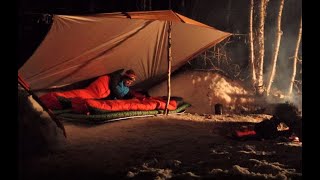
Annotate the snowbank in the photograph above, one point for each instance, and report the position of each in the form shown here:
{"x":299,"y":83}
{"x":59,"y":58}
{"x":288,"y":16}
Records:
{"x":205,"y":89}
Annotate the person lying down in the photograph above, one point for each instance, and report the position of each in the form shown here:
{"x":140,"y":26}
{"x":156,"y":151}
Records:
{"x":111,"y":92}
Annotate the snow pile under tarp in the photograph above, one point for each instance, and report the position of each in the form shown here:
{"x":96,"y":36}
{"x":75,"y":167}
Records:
{"x":38,"y":132}
{"x":204,"y":90}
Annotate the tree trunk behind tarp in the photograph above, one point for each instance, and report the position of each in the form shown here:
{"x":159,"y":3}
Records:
{"x":294,"y":71}
{"x":260,"y":45}
{"x":229,"y":5}
{"x":276,"y":48}
{"x":150,"y":5}
{"x":144,"y":5}
{"x":183,"y":5}
{"x":251,"y":51}
{"x":166,"y":111}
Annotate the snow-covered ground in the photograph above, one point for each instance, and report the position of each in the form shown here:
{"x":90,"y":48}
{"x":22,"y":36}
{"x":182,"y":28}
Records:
{"x":178,"y":146}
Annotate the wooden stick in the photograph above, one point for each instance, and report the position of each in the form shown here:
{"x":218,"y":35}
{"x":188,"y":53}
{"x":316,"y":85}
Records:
{"x":166,"y":111}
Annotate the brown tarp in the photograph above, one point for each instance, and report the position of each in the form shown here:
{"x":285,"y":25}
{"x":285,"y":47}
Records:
{"x":82,"y":47}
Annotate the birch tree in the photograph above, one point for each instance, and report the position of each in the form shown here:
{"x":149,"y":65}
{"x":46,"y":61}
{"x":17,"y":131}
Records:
{"x":260,"y":53}
{"x":144,"y":5}
{"x":295,"y":59}
{"x":276,"y":48}
{"x":229,"y":5}
{"x":150,"y":5}
{"x":251,"y":51}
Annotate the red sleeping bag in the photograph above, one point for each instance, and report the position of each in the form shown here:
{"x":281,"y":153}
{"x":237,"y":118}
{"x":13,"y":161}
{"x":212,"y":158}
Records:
{"x":96,"y":90}
{"x":82,"y":99}
{"x":138,"y":104}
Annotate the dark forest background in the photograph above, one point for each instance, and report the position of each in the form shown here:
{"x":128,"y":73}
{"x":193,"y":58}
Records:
{"x":226,"y":15}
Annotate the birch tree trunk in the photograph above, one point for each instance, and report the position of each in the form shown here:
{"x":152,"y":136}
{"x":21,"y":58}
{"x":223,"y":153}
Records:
{"x":251,"y":51}
{"x":144,"y":5}
{"x":183,"y":6}
{"x":166,"y":111}
{"x":91,"y":6}
{"x":276,"y":48}
{"x":150,"y":5}
{"x":295,"y":60}
{"x":260,"y":55}
{"x":228,"y":13}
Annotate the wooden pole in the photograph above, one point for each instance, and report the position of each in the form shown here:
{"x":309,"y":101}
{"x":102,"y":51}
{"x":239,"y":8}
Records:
{"x":166,"y":111}
{"x":295,"y":59}
{"x":276,"y":49}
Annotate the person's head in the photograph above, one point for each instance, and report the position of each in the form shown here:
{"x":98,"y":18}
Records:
{"x":129,"y":77}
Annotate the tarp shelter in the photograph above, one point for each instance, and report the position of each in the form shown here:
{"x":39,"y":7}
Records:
{"x":82,"y":47}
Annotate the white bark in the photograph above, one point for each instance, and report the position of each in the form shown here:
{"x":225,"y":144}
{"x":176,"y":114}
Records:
{"x":276,"y":48}
{"x":294,"y":71}
{"x":260,"y":56}
{"x":251,"y":51}
{"x":150,"y":5}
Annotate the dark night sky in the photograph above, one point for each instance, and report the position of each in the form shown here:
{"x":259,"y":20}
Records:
{"x":227,"y":15}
